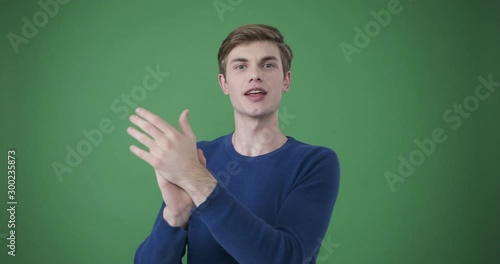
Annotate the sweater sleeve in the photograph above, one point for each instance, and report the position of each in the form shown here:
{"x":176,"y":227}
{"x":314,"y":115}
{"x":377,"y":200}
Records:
{"x":165,"y":244}
{"x":300,"y":225}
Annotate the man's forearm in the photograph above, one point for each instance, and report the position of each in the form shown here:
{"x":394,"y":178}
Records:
{"x":200,"y":186}
{"x":165,"y":244}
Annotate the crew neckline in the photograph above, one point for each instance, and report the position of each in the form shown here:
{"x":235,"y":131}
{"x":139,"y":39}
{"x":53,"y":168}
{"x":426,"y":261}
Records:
{"x":232,"y":151}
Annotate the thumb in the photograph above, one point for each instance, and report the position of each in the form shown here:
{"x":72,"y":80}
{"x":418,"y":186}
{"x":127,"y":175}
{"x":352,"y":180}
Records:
{"x":202,"y":158}
{"x":184,"y":123}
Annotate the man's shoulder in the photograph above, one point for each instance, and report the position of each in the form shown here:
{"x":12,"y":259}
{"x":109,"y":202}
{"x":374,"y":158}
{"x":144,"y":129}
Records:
{"x":315,"y":162}
{"x":211,"y":144}
{"x":308,"y":149}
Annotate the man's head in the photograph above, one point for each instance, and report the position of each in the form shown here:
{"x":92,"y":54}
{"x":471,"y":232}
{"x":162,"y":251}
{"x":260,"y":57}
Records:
{"x":251,"y":33}
{"x":255,"y":58}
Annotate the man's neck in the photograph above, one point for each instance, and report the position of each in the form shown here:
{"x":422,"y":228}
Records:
{"x":255,"y":137}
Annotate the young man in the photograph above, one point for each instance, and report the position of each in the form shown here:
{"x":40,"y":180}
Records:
{"x":259,"y":196}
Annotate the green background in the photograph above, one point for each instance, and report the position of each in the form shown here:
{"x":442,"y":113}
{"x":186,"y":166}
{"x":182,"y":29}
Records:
{"x":369,"y":111}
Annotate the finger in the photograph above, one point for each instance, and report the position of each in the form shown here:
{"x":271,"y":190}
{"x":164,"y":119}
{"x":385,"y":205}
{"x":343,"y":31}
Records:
{"x":147,"y":127}
{"x":184,"y":123}
{"x":157,"y":121}
{"x":141,"y":137}
{"x":144,"y":155}
{"x":202,"y":158}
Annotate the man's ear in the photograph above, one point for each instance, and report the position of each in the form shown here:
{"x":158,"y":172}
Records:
{"x":223,"y":84}
{"x":286,"y":81}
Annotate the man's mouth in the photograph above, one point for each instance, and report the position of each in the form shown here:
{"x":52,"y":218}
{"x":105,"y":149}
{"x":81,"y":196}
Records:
{"x":255,"y":94}
{"x":255,"y":91}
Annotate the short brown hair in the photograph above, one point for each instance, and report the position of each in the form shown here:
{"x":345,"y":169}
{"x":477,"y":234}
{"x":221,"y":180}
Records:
{"x":250,"y":33}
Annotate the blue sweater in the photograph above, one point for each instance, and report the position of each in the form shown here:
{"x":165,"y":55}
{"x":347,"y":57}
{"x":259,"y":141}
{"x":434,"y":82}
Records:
{"x":273,"y":208}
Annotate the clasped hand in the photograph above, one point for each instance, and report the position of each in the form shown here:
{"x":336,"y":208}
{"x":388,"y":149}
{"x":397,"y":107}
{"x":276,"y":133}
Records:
{"x":179,"y":166}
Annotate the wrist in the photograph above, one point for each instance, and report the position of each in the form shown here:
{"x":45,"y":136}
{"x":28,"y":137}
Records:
{"x":201,"y":185}
{"x":176,"y":219}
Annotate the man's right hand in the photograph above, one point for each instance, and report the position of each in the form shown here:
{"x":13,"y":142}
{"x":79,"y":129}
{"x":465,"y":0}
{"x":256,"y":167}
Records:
{"x":178,"y":203}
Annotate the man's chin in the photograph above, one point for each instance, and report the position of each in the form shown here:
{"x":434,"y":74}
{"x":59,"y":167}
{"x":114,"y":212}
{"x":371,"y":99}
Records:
{"x":256,"y":113}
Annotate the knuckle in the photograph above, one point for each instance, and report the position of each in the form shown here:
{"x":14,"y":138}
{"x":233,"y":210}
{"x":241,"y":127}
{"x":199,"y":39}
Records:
{"x":144,"y":139}
{"x":163,"y":142}
{"x":176,"y":136}
{"x":154,"y":118}
{"x":155,"y":162}
{"x":139,"y":136}
{"x":148,"y":126}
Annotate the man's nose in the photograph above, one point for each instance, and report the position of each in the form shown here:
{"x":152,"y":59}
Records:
{"x":255,"y":74}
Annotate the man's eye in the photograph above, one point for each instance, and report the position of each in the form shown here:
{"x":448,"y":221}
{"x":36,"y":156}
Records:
{"x":268,"y":65}
{"x":240,"y":67}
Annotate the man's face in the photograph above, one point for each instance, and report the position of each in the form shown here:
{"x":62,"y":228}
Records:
{"x":254,"y":78}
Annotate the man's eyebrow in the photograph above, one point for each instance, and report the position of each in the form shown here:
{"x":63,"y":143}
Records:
{"x":239,"y":60}
{"x":266,"y":58}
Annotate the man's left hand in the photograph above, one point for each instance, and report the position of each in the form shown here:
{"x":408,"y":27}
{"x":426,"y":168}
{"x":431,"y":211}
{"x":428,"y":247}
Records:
{"x":172,"y":153}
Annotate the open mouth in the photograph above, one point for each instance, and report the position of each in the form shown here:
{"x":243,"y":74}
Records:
{"x":256,"y":91}
{"x":255,"y":94}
